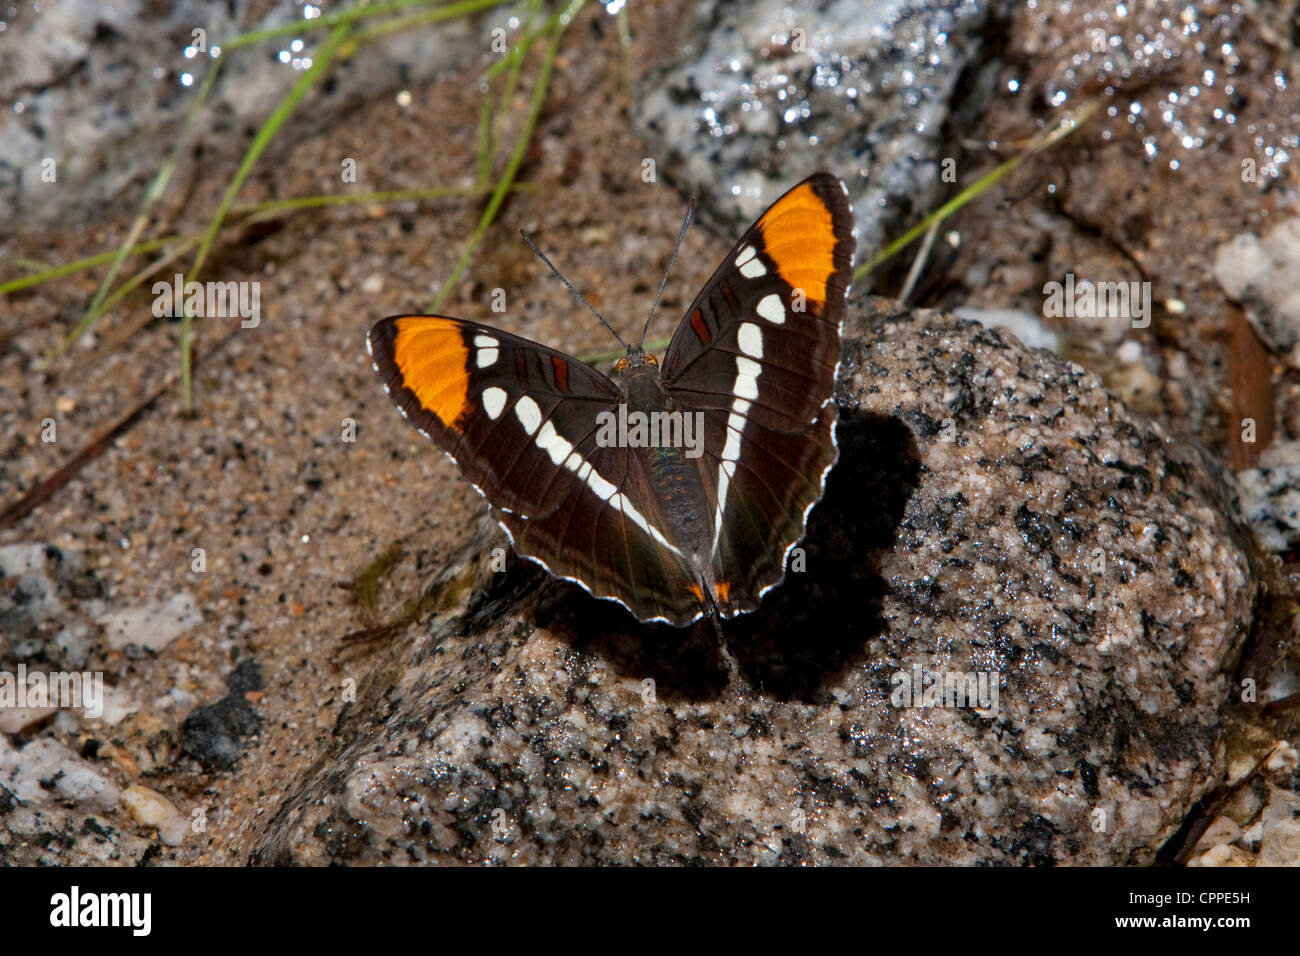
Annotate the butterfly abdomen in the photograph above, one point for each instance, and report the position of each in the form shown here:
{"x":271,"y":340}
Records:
{"x":677,"y":481}
{"x":670,"y":456}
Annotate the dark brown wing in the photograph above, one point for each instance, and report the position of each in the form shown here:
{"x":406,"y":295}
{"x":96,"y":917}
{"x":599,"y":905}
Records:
{"x":520,"y":420}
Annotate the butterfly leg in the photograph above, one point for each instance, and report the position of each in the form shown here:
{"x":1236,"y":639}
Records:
{"x":734,"y":676}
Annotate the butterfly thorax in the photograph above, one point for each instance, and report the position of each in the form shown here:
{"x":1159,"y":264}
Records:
{"x":642,"y":387}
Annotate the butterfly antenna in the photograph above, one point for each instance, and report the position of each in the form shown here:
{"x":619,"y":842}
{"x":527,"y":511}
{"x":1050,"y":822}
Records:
{"x":569,"y":285}
{"x":690,"y":211}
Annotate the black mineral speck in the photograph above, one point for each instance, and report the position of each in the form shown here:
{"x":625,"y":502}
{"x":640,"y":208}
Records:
{"x":212,"y":734}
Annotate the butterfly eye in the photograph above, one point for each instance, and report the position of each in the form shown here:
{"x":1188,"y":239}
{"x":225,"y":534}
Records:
{"x":651,"y":360}
{"x":620,"y":365}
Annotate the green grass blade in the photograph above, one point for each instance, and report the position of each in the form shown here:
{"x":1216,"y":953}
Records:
{"x":1067,"y":125}
{"x":57,"y":272}
{"x":320,"y":63}
{"x":412,"y":20}
{"x":297,"y":28}
{"x":251,"y":213}
{"x":512,"y":167}
{"x":151,"y":198}
{"x":488,"y":114}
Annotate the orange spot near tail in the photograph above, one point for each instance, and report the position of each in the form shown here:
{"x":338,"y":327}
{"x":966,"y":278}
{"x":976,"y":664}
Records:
{"x":723,"y":590}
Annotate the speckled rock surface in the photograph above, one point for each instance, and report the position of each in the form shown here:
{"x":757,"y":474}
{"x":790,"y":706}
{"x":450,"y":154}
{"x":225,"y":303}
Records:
{"x":47,"y":836}
{"x":48,"y":600}
{"x":770,"y":89}
{"x":995,"y":512}
{"x":55,"y":809}
{"x":1270,"y":497}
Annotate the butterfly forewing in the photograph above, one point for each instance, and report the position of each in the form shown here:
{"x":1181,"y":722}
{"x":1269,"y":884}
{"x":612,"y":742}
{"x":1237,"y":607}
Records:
{"x":778,"y":299}
{"x":520,"y":420}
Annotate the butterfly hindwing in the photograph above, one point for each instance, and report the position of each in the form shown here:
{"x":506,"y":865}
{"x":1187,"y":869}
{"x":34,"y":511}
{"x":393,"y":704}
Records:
{"x":766,"y":494}
{"x":519,"y":419}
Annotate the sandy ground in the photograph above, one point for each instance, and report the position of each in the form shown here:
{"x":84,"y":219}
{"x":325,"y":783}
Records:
{"x":289,"y":514}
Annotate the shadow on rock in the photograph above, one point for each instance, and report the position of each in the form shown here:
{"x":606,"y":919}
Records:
{"x":817,"y":624}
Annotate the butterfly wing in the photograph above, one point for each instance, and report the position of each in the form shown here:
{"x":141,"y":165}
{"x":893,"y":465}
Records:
{"x":757,"y":352}
{"x":520,"y":420}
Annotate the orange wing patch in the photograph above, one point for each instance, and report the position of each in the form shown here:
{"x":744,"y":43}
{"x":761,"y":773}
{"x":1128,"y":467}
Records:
{"x":799,"y":237}
{"x":723,"y":590}
{"x":432,"y":357}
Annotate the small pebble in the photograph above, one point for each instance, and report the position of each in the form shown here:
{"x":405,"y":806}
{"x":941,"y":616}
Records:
{"x":152,"y":809}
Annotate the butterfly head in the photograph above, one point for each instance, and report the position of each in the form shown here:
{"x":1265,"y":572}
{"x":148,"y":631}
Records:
{"x":636,"y":357}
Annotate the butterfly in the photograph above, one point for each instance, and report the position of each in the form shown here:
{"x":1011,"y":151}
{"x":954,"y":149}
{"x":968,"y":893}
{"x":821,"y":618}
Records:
{"x":677,"y":488}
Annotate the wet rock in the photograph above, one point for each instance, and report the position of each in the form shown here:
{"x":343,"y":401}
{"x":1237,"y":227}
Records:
{"x":214,"y":734}
{"x":774,"y":90}
{"x":69,"y":66}
{"x":996,"y":516}
{"x":1186,"y":108}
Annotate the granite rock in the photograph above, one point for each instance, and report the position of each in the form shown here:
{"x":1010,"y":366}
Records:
{"x":996,"y":514}
{"x":151,"y":626}
{"x":45,"y":772}
{"x":776,"y":89}
{"x":49,"y":836}
{"x":47,"y":599}
{"x":1270,"y":497}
